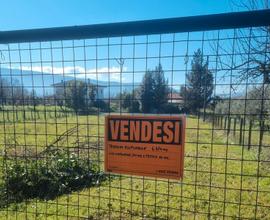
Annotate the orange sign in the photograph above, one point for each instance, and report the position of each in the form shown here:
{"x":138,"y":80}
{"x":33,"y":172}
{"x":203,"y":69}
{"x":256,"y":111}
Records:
{"x":145,"y":145}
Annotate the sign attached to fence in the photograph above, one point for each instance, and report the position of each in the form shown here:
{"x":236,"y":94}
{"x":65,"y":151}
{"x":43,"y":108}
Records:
{"x":145,"y":145}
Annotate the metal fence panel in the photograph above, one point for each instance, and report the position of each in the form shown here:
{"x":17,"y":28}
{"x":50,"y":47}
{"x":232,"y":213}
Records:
{"x":57,"y":85}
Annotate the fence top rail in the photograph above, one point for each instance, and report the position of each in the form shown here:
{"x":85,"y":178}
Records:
{"x":147,"y":27}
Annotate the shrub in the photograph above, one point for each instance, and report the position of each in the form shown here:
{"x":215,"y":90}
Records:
{"x":102,"y":105}
{"x":169,"y":108}
{"x":56,"y":172}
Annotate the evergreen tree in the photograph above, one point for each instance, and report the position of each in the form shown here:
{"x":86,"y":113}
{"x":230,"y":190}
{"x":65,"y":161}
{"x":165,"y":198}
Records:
{"x":4,"y":91}
{"x":161,"y":89}
{"x":154,"y":91}
{"x":130,"y":102}
{"x":92,"y":94}
{"x":147,"y":92}
{"x":198,"y":90}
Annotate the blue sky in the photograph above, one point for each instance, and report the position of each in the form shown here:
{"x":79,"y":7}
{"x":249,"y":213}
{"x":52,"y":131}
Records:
{"x":18,"y":14}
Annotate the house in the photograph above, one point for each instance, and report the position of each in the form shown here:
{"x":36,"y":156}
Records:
{"x":175,"y":98}
{"x":60,"y":87}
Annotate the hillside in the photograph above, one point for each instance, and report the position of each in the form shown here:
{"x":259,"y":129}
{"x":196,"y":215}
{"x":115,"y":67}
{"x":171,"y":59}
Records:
{"x":42,"y":83}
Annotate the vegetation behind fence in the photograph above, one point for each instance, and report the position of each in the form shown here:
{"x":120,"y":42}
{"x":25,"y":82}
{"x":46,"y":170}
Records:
{"x":57,"y":84}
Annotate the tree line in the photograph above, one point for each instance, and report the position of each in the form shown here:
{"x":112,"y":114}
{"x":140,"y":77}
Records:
{"x":13,"y":93}
{"x":152,"y":96}
{"x":80,"y":96}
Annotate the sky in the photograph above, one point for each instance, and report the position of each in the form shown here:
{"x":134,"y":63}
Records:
{"x":29,"y":14}
{"x":18,"y":14}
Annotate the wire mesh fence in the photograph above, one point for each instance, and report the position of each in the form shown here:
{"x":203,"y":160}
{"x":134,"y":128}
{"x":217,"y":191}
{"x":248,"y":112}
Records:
{"x":55,"y":92}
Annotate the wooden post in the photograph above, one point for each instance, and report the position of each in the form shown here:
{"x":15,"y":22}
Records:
{"x":24,"y":116}
{"x":221,"y":121}
{"x":8,"y":115}
{"x":229,"y":125}
{"x":16,"y":114}
{"x":234,"y":126}
{"x":244,"y":130}
{"x":249,"y":133}
{"x":240,"y":131}
{"x":261,"y":135}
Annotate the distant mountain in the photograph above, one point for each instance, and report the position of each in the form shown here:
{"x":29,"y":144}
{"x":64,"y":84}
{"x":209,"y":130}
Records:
{"x":42,"y":83}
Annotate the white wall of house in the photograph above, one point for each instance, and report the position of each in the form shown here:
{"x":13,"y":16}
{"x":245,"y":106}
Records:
{"x":100,"y":92}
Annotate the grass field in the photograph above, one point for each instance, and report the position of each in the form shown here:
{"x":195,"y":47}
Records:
{"x":220,"y":177}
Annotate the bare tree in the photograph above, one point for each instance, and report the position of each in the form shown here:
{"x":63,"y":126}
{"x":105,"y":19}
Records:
{"x":248,"y":58}
{"x":252,"y":46}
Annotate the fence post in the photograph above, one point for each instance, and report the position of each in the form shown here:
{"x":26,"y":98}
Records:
{"x":244,"y":130}
{"x":249,"y":133}
{"x":229,"y":125}
{"x":261,"y":135}
{"x":16,"y":114}
{"x":234,"y":126}
{"x":221,"y":121}
{"x":8,"y":115}
{"x":240,"y":131}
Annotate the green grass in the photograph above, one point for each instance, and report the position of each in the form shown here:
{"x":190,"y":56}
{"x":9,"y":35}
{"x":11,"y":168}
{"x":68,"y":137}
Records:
{"x":31,"y":113}
{"x":219,"y":176}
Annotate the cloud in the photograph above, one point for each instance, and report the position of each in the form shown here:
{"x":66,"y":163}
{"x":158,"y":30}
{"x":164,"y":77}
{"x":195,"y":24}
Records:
{"x":102,"y":73}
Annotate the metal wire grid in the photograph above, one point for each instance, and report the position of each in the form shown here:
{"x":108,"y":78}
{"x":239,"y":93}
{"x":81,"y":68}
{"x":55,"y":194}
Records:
{"x":222,"y":178}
